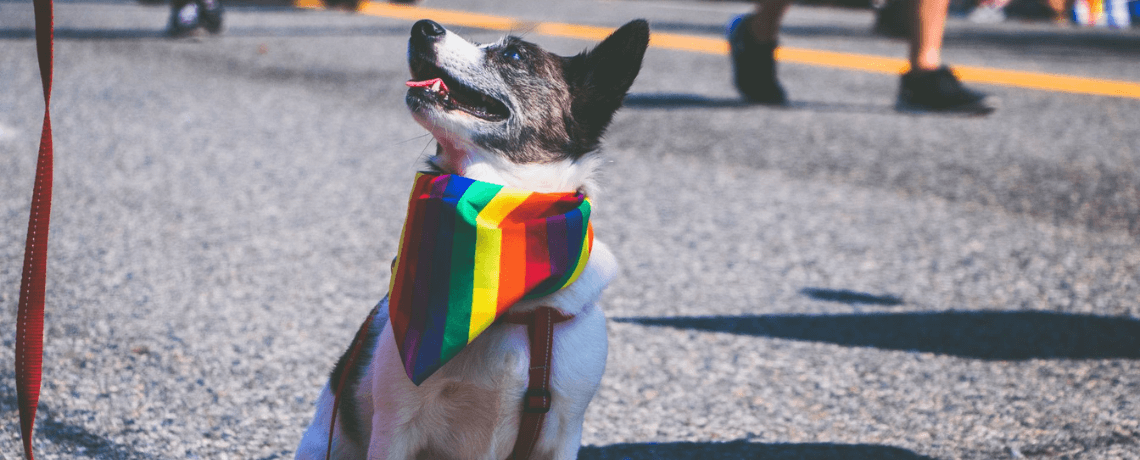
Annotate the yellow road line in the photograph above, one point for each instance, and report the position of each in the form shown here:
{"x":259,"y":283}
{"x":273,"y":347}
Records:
{"x":459,"y":18}
{"x":1049,"y":82}
{"x":698,"y":44}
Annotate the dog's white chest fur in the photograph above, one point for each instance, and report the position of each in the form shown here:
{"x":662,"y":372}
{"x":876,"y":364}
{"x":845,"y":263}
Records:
{"x":470,"y":408}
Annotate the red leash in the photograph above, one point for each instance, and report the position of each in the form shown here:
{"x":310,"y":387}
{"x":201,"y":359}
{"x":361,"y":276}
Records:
{"x":30,"y":318}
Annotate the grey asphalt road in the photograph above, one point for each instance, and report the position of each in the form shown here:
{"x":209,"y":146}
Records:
{"x":833,"y":280}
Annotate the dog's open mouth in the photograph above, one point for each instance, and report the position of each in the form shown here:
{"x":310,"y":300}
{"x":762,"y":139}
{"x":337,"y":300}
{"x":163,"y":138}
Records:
{"x":454,"y":95}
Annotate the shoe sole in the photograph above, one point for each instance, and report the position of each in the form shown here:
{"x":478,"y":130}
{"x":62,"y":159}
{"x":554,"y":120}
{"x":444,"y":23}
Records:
{"x":980,"y":108}
{"x":196,"y":33}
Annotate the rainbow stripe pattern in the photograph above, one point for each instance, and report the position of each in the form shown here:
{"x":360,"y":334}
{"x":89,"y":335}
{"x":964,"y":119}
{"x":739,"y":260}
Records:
{"x":469,"y":250}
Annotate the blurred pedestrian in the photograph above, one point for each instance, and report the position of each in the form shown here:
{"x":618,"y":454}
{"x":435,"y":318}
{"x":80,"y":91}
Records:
{"x":927,"y":86}
{"x":187,"y":17}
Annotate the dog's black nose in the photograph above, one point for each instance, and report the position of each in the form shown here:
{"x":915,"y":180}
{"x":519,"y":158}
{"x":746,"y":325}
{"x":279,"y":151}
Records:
{"x":427,"y":28}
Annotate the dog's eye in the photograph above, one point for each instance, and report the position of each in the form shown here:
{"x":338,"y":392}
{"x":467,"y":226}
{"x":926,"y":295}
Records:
{"x":511,"y":53}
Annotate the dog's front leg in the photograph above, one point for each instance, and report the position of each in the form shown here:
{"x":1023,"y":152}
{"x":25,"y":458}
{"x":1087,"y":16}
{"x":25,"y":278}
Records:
{"x":314,"y":443}
{"x":393,"y":435}
{"x":382,"y":445}
{"x":569,"y":449}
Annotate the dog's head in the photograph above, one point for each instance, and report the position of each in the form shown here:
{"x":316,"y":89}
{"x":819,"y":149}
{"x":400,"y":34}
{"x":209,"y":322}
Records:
{"x":511,"y":113}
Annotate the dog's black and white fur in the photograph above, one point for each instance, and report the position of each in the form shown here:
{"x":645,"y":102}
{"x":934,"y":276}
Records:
{"x":513,"y":114}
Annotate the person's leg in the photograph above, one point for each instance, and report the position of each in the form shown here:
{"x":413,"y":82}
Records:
{"x":1060,"y":9}
{"x":753,"y":41}
{"x":183,"y":18}
{"x":926,"y":42}
{"x":929,"y":85}
{"x":211,"y":15}
{"x":765,"y":22}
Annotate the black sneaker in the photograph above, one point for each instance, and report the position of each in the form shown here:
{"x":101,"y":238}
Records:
{"x":940,"y":91}
{"x":754,"y":66}
{"x":184,"y":19}
{"x":211,"y":15}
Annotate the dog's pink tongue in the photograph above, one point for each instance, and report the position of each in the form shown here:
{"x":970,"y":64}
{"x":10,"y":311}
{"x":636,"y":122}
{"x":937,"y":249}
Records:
{"x":428,"y":84}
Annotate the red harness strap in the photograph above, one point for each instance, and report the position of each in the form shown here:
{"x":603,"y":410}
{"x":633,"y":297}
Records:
{"x":537,"y":400}
{"x":30,"y":314}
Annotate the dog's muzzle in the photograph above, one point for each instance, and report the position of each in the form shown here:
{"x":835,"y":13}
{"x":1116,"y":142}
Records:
{"x":425,"y":32}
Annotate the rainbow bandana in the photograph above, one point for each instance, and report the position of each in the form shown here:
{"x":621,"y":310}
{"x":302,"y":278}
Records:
{"x":470,"y":250}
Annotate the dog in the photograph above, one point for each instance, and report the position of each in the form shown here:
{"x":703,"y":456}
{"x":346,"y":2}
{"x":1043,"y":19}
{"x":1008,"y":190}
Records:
{"x":512,"y":114}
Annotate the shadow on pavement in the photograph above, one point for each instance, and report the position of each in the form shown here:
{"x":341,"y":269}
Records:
{"x":851,"y":297}
{"x":160,"y":32}
{"x":745,"y":450}
{"x":680,"y":101}
{"x":85,"y":34}
{"x":49,"y":426}
{"x":677,"y":101}
{"x":972,"y":334}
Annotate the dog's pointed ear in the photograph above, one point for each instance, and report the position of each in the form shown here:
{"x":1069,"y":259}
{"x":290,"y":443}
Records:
{"x":600,"y":78}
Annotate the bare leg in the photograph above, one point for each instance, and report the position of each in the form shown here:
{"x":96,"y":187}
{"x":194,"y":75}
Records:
{"x":926,"y":42}
{"x":930,"y":86}
{"x":765,"y":23}
{"x":1059,"y":7}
